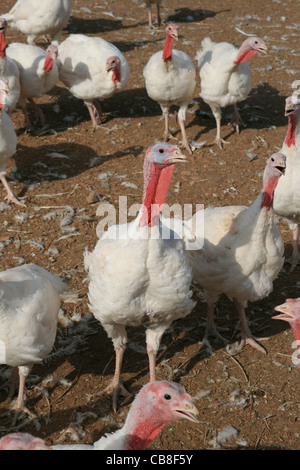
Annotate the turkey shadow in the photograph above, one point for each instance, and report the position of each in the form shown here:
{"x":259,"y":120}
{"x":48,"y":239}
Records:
{"x":186,"y":15}
{"x":59,"y":162}
{"x":263,"y":109}
{"x":128,"y":103}
{"x":126,"y":46}
{"x":78,"y":25}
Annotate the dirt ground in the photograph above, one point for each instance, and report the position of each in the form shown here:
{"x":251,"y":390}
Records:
{"x":246,"y":401}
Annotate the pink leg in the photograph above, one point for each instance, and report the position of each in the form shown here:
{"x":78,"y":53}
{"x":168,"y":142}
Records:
{"x":152,"y":363}
{"x":116,"y":388}
{"x":91,"y":108}
{"x":19,"y":405}
{"x":167,"y":133}
{"x":247,"y":337}
{"x":219,"y":140}
{"x":211,"y":329}
{"x":237,"y":120}
{"x":184,"y":137}
{"x":294,"y":259}
{"x":10,"y":195}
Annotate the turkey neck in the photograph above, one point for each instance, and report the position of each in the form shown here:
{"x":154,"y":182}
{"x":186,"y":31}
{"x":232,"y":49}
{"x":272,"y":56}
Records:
{"x":2,"y":44}
{"x":296,"y":329}
{"x":292,"y":131}
{"x":156,"y":184}
{"x":139,"y":435}
{"x":270,"y":183}
{"x":244,"y":54}
{"x":167,"y":52}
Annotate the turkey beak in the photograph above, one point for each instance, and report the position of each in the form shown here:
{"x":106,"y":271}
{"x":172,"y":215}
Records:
{"x":285,"y":314}
{"x":174,"y":34}
{"x":281,"y":169}
{"x":263,"y":49}
{"x":177,"y":157}
{"x":289,"y":109}
{"x":187,"y":411}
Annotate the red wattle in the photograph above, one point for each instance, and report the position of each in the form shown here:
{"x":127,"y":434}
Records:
{"x":167,"y":52}
{"x":116,"y":75}
{"x":268,"y":193}
{"x":2,"y":45}
{"x":48,"y":64}
{"x":291,"y":132}
{"x":244,"y":56}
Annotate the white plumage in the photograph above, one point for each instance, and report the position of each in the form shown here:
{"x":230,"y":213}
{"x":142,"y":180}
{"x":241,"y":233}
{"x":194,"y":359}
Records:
{"x":92,"y":68}
{"x":137,"y":276}
{"x":9,"y":70}
{"x":287,"y":193}
{"x":225,"y":76}
{"x":29,"y":306}
{"x":36,"y":17}
{"x":8,"y":141}
{"x":156,"y":405}
{"x":38,"y":74}
{"x":170,"y":79}
{"x":242,"y":250}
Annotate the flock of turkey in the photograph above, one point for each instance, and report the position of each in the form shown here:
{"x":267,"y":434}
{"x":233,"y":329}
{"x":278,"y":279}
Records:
{"x":242,"y":252}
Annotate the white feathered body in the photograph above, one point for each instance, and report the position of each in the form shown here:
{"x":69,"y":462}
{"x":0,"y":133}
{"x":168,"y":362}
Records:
{"x":242,"y":251}
{"x":223,"y":83}
{"x":30,"y":59}
{"x":287,"y":192}
{"x":8,"y":140}
{"x":29,"y":306}
{"x":138,"y":279}
{"x":111,"y":441}
{"x":82,"y":67}
{"x":36,"y":17}
{"x":171,"y":82}
{"x":10,"y":71}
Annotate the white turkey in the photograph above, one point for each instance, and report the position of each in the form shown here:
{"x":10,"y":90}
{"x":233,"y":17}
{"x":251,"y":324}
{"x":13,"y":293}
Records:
{"x":136,"y":276}
{"x":149,"y":4}
{"x":9,"y":70}
{"x":287,"y":193}
{"x":92,"y":69}
{"x":8,"y":142}
{"x":242,"y":251}
{"x":29,"y":307}
{"x":170,"y":79}
{"x":157,"y":404}
{"x":225,"y":76}
{"x":35,"y":17}
{"x":38,"y":75}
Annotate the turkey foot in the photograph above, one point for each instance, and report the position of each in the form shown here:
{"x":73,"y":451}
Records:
{"x":10,"y":195}
{"x":220,"y":141}
{"x":18,"y":408}
{"x":116,"y":389}
{"x":214,"y":331}
{"x":237,"y":120}
{"x":252,"y":342}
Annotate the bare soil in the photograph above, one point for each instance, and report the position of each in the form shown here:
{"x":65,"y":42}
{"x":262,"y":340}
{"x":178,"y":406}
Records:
{"x":256,"y":395}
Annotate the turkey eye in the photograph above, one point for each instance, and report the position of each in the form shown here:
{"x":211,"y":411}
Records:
{"x":272,"y":159}
{"x":161,"y":150}
{"x":167,"y":396}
